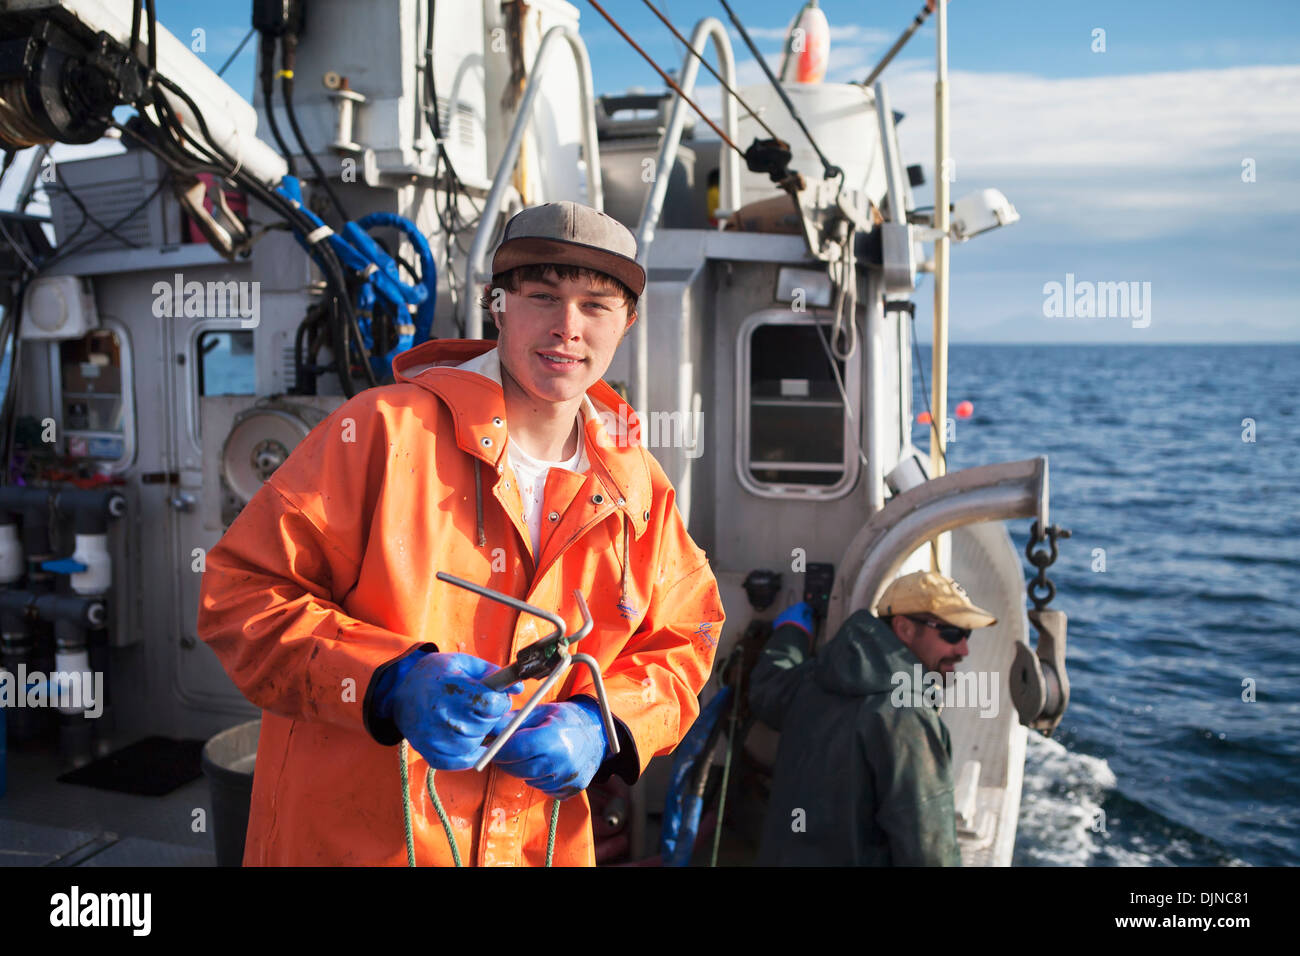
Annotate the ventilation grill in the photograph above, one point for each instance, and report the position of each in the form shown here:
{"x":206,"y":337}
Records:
{"x":107,"y":203}
{"x":460,"y":127}
{"x":287,"y":372}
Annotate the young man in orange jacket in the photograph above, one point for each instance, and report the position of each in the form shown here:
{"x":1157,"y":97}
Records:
{"x":503,"y":466}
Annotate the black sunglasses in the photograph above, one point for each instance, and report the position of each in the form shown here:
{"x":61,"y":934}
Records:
{"x":949,"y":632}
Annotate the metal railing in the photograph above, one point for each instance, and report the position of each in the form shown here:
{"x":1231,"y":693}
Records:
{"x":476,"y":266}
{"x":728,"y":178}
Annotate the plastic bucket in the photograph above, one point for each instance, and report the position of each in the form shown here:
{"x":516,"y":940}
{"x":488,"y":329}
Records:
{"x":228,"y":760}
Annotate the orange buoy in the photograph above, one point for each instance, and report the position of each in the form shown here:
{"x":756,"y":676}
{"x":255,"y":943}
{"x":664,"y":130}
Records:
{"x":923,"y":418}
{"x":807,"y":46}
{"x":965,"y":409}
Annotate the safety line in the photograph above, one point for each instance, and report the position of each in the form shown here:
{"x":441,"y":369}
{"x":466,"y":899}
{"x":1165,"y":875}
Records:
{"x":709,"y":66}
{"x":828,"y":168}
{"x":667,"y":79}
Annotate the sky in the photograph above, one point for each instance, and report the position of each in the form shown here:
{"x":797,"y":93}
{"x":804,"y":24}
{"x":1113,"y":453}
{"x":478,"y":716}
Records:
{"x":1169,"y":160}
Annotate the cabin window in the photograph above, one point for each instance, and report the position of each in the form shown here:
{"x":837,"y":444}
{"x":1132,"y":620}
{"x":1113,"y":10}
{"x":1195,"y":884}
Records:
{"x":226,"y":365}
{"x":793,"y":436}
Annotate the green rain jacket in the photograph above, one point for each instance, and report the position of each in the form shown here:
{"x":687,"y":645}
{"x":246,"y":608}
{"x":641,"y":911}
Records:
{"x":858,"y":781}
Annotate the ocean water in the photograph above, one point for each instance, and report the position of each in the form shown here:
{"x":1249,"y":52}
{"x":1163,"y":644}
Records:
{"x":1182,"y":585}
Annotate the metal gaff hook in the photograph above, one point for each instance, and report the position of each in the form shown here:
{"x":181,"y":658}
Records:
{"x":562,"y":658}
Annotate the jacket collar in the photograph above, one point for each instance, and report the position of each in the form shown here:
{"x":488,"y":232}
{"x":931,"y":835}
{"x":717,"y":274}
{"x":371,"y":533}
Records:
{"x":475,"y":399}
{"x":863,"y":657}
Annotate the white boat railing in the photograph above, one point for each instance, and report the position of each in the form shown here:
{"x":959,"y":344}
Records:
{"x":728,"y":178}
{"x":476,"y":266}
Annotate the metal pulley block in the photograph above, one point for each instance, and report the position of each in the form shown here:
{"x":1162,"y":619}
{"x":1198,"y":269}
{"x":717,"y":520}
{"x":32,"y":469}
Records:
{"x":772,"y":156}
{"x":1040,"y":687}
{"x":547,"y":658}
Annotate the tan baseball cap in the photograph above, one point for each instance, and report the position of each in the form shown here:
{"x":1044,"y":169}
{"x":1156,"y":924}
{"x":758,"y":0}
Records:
{"x":568,"y":233}
{"x":925,"y":592}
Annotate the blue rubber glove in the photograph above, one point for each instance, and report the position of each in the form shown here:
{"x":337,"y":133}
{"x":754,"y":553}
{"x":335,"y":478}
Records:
{"x":800,"y":615}
{"x":441,"y":705}
{"x":558,"y":749}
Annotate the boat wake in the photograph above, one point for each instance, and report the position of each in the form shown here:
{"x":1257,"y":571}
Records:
{"x":1072,"y":813}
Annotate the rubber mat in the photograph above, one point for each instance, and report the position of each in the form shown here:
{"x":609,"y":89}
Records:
{"x":149,"y":768}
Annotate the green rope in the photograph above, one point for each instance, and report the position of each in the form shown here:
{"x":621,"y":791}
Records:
{"x":406,"y":805}
{"x":550,"y":837}
{"x":442,"y":815}
{"x":446,"y":821}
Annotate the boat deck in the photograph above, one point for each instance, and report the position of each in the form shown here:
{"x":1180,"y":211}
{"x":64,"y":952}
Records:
{"x":47,"y":823}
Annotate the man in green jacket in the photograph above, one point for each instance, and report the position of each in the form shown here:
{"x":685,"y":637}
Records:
{"x":860,"y":780}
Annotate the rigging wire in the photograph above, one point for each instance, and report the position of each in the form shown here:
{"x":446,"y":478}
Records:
{"x":16,"y":247}
{"x":65,"y":247}
{"x":829,"y":169}
{"x":925,"y":393}
{"x":239,"y":49}
{"x":709,"y":66}
{"x":846,"y":298}
{"x":89,"y":217}
{"x":839,"y":384}
{"x":666,"y":78}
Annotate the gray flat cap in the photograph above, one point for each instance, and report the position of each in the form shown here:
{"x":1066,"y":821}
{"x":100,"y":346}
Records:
{"x":568,"y":233}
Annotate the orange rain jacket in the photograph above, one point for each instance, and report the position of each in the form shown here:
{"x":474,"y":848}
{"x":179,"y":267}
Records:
{"x":327,"y":576}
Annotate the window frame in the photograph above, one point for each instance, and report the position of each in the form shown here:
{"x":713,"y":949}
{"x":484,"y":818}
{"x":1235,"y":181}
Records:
{"x":852,"y":463}
{"x":193,"y":396}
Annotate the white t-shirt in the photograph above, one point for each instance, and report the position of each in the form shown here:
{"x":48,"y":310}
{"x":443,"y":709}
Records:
{"x":531,"y":474}
{"x":529,"y":471}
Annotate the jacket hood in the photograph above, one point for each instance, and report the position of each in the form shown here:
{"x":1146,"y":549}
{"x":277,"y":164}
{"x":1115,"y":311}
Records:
{"x":862,"y":658}
{"x":477,"y":405}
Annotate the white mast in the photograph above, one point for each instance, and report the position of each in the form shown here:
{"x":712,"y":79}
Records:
{"x":939,"y":354}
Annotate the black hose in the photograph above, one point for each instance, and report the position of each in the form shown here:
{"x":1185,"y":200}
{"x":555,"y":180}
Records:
{"x":325,"y":255}
{"x":268,"y":86}
{"x":327,"y":258}
{"x":153,"y":35}
{"x":287,"y":59}
{"x":8,"y":414}
{"x":135,"y":28}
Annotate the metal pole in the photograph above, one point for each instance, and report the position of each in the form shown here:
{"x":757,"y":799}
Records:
{"x":939,"y":357}
{"x":729,"y":182}
{"x":899,"y":43}
{"x":477,"y":259}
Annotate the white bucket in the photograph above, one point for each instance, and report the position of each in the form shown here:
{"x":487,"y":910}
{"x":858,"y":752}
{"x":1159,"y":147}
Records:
{"x":842,"y":119}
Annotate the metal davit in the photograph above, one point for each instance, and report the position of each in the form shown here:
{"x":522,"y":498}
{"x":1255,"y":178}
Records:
{"x":1014,"y":489}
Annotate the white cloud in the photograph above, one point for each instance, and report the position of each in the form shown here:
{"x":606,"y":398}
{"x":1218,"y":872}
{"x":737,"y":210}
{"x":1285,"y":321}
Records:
{"x":1159,"y":121}
{"x":1116,"y":157}
{"x":841,"y":33}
